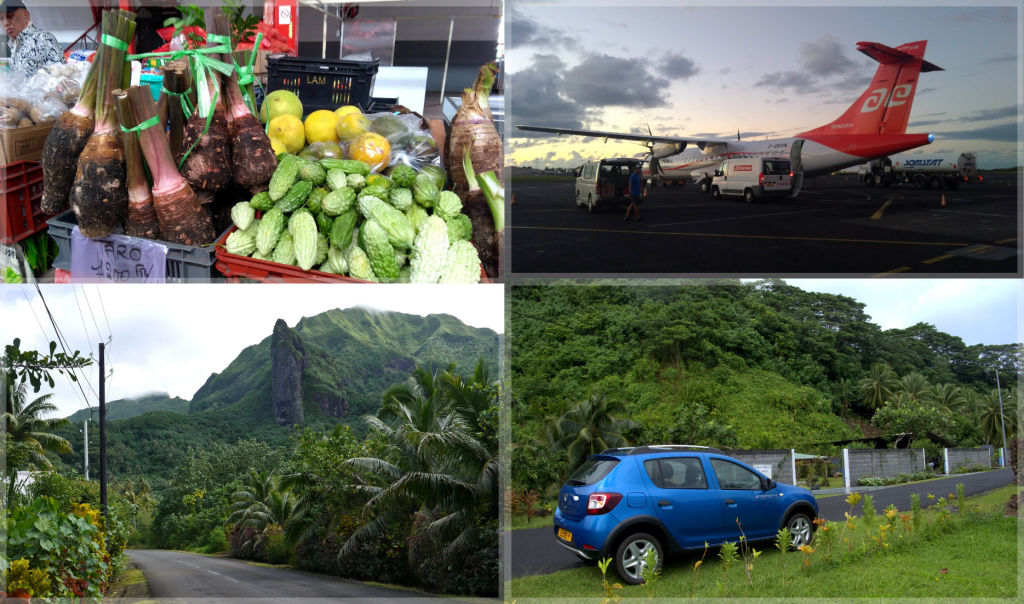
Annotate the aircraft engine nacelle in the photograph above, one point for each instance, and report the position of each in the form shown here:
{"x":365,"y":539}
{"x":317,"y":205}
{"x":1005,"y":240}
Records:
{"x":720,"y":148}
{"x":662,"y":150}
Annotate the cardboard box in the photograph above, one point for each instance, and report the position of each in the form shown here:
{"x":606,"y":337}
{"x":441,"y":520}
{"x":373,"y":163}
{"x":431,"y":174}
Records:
{"x":260,"y":66}
{"x":22,"y":144}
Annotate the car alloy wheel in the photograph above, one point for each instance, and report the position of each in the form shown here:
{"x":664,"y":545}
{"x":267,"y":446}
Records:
{"x":590,"y":205}
{"x":800,"y":527}
{"x":631,"y":556}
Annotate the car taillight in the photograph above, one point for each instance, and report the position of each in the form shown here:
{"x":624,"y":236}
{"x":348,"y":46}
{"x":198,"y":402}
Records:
{"x":762,"y":179}
{"x":602,"y":503}
{"x":791,"y":175}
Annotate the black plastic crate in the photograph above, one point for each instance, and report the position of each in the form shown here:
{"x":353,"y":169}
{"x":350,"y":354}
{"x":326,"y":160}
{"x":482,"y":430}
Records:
{"x":379,"y":105}
{"x":323,"y":83}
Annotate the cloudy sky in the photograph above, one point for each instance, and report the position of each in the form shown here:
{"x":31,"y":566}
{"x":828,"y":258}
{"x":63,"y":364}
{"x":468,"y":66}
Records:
{"x":773,"y":71}
{"x":170,"y":338}
{"x":979,"y":311}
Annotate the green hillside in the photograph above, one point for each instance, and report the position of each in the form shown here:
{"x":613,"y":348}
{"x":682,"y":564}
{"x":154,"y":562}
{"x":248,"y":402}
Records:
{"x":745,"y":365}
{"x":130,"y":407}
{"x":353,"y":355}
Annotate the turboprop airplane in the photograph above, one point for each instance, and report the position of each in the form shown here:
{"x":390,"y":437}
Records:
{"x":874,"y":126}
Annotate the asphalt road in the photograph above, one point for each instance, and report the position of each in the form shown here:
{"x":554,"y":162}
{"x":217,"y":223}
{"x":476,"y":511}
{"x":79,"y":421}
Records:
{"x":535,"y":551}
{"x":833,"y":226}
{"x":198,"y":579}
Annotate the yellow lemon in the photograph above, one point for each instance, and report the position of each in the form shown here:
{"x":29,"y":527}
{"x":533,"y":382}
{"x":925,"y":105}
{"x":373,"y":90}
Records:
{"x":371,"y":148}
{"x":280,"y":102}
{"x":289,"y":130}
{"x":347,"y":109}
{"x":351,"y":125}
{"x":278,"y":146}
{"x":321,"y":126}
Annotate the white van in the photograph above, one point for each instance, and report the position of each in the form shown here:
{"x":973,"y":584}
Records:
{"x":604,"y":183}
{"x":753,"y":177}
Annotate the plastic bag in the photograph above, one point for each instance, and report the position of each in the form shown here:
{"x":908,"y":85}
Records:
{"x":324,"y":150}
{"x":395,"y":139}
{"x":47,"y":110}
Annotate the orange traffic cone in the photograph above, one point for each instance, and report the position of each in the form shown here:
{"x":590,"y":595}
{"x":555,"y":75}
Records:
{"x":943,"y":200}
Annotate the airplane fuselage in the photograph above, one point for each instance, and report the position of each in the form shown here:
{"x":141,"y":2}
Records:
{"x":819,"y":154}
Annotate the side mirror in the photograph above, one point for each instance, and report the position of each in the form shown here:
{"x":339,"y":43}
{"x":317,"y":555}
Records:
{"x":769,"y":484}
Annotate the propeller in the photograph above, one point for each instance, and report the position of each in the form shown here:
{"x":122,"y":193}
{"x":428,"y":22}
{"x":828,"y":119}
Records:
{"x":737,"y":134}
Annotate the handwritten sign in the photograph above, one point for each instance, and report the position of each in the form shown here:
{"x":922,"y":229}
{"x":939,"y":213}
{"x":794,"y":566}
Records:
{"x":117,"y":259}
{"x":765,"y":469}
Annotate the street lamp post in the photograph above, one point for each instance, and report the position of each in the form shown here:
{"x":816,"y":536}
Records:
{"x":1002,"y":421}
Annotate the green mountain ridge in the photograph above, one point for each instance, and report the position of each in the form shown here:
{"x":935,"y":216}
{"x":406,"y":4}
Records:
{"x":130,"y":407}
{"x":349,"y":357}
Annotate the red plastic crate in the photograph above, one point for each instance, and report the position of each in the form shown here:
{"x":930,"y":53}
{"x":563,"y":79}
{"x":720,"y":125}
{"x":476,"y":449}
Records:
{"x":21,"y":186}
{"x":235,"y":267}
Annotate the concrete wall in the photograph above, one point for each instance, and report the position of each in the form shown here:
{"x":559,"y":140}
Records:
{"x":968,"y":457}
{"x":884,"y":463}
{"x":772,"y":457}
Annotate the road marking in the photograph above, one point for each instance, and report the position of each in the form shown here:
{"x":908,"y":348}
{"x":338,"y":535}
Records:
{"x":878,"y":214}
{"x":1010,"y":240}
{"x":977,"y":214}
{"x":892,"y":272}
{"x":936,"y":259}
{"x":730,"y":236}
{"x":735,"y":218}
{"x":978,"y":250}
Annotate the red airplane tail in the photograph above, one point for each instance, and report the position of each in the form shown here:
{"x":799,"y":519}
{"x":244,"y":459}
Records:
{"x":884,"y":108}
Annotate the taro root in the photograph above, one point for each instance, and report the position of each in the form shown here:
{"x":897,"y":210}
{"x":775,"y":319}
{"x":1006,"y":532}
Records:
{"x":471,"y":126}
{"x":483,"y":201}
{"x":69,"y":135}
{"x":141,"y":220}
{"x":182,"y":219}
{"x":99,"y":194}
{"x":207,"y":156}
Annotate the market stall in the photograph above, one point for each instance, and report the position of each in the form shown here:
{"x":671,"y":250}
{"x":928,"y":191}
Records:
{"x":186,"y":163}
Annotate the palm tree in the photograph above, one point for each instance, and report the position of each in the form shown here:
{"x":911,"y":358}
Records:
{"x":899,"y":399}
{"x":948,"y":397}
{"x":24,"y":424}
{"x":140,"y":496}
{"x":591,"y":427}
{"x":437,"y":458}
{"x":877,"y":387}
{"x":265,"y":502}
{"x":991,"y":421}
{"x":916,"y":387}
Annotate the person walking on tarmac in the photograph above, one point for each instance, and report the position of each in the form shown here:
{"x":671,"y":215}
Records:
{"x":635,"y":192}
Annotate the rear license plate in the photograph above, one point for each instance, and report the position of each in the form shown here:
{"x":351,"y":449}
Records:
{"x":564,"y":534}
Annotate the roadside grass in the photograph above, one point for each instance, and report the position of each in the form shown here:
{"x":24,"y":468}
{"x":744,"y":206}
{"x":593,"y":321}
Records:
{"x":519,"y":521}
{"x":977,"y":559}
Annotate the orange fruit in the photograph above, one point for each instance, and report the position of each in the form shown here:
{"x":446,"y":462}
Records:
{"x":371,"y":148}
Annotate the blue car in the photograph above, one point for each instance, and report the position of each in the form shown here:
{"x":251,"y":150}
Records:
{"x":672,"y":498}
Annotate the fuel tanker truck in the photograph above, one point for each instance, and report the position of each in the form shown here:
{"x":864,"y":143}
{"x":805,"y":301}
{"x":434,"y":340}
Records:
{"x":925,"y":171}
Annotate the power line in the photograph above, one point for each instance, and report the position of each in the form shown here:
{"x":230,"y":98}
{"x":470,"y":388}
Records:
{"x":106,"y":349}
{"x":63,"y":345}
{"x":46,"y":338}
{"x":89,"y":306}
{"x":85,"y":328}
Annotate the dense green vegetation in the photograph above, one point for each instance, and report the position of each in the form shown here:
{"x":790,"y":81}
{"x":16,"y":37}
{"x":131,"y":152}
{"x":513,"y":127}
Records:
{"x":130,"y":407}
{"x":748,"y":365}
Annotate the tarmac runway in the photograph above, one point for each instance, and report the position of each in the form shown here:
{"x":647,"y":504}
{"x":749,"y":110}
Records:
{"x":835,"y":226}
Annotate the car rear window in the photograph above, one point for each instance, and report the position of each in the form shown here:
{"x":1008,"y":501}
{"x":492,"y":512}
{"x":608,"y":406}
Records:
{"x":677,"y":473}
{"x":776,"y":166}
{"x":592,"y":471}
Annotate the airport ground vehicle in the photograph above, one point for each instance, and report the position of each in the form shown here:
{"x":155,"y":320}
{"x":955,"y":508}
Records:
{"x":877,"y":171}
{"x":604,"y":183}
{"x":753,"y":178}
{"x":624,"y":502}
{"x":925,"y":171}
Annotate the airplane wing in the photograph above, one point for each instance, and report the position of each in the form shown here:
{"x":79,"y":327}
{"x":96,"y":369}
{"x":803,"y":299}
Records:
{"x":646,"y":139}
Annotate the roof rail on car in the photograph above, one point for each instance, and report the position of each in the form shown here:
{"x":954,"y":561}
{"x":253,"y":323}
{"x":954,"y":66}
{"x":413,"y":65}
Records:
{"x":663,"y":448}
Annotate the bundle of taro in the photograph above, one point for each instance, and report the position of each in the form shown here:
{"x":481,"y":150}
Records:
{"x":475,"y":159}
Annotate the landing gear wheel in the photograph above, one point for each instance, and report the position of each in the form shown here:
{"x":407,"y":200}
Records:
{"x":716,"y":193}
{"x":629,"y":559}
{"x":800,"y":527}
{"x":748,"y":195}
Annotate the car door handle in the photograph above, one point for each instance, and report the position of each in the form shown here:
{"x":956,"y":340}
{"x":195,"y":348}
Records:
{"x":664,"y":502}
{"x":730,"y":502}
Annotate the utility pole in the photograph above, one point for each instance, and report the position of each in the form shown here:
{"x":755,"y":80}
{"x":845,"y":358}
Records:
{"x":85,"y":452}
{"x":1002,"y":421}
{"x":103,"y":434}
